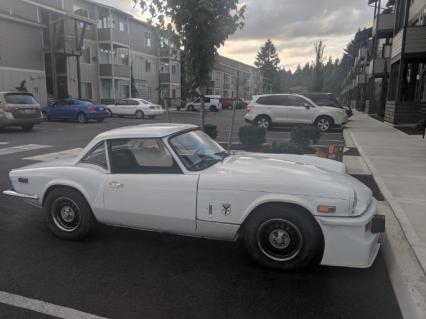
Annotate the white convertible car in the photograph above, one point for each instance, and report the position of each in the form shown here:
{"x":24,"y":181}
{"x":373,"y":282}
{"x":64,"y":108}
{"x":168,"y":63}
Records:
{"x":292,"y":211}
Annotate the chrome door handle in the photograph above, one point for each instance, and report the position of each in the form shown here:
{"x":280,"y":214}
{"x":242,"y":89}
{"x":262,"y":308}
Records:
{"x":115,"y":185}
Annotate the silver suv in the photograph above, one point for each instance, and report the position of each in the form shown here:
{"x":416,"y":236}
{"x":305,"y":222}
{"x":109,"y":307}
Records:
{"x":19,"y":109}
{"x":289,"y":109}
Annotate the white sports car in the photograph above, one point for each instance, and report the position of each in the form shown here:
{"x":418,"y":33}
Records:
{"x":292,"y":211}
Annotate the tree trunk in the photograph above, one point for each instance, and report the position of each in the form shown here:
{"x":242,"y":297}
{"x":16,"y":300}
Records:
{"x":202,"y":116}
{"x":166,"y":107}
{"x":234,"y":106}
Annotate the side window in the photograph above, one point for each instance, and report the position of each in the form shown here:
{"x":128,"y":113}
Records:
{"x":206,"y":100}
{"x":141,"y":156}
{"x":271,"y":100}
{"x":295,"y":101}
{"x":122,"y":102}
{"x":132,"y":102}
{"x":96,"y":156}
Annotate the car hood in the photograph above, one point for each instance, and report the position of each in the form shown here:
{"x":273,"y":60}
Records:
{"x":289,"y":174}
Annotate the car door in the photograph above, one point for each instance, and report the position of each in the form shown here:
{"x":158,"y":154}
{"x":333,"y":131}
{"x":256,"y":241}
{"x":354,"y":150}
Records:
{"x":55,"y":110}
{"x":147,"y":189}
{"x":132,"y":106}
{"x":299,"y":110}
{"x":276,"y":107}
{"x":120,"y":107}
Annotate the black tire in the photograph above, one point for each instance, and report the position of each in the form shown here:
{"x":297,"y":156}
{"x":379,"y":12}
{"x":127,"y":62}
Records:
{"x":178,"y":108}
{"x":46,"y":116}
{"x":109,"y":113}
{"x":28,"y":127}
{"x":139,"y":115}
{"x":324,"y":123}
{"x":213,"y":109}
{"x":59,"y":219}
{"x":283,"y":237}
{"x":263,"y":121}
{"x":82,"y":118}
{"x":190,"y":108}
{"x":100,"y":120}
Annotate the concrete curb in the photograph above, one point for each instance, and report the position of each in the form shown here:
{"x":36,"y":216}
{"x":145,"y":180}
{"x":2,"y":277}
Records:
{"x":402,"y":250}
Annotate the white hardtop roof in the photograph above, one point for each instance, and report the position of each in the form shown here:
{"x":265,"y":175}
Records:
{"x":156,"y":130}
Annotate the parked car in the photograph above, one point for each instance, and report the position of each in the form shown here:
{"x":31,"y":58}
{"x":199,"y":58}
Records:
{"x":291,"y":210}
{"x":327,"y":99}
{"x":211,"y":102}
{"x":75,"y":110}
{"x":228,"y":103}
{"x":139,"y":108}
{"x":19,"y":109}
{"x":290,"y":109}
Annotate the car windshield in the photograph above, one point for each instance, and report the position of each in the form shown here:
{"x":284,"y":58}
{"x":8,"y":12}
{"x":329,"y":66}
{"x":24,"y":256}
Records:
{"x":197,"y":150}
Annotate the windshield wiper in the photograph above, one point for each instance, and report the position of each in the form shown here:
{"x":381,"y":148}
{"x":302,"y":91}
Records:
{"x":223,"y":154}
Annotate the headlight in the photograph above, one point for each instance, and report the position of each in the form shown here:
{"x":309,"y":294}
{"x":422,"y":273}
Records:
{"x":355,"y":202}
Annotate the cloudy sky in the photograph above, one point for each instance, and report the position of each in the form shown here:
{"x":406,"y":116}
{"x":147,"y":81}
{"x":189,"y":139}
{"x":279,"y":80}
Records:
{"x":293,"y":25}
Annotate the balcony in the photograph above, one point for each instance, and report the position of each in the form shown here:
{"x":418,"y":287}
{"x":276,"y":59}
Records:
{"x":361,"y":79}
{"x":383,"y":25}
{"x":415,"y":43}
{"x":113,"y":35}
{"x":122,"y":71}
{"x":65,"y":44}
{"x":378,"y":67}
{"x":165,"y":78}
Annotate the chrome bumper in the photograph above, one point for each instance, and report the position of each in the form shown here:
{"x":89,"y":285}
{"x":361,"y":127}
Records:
{"x":11,"y":192}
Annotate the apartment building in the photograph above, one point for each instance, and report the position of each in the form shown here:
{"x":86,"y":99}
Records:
{"x":396,"y":68}
{"x":233,"y":79}
{"x":355,"y":83}
{"x":82,"y":48}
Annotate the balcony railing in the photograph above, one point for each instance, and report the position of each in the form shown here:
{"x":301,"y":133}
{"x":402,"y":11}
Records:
{"x":122,"y":71}
{"x":383,"y":24}
{"x":415,"y":42}
{"x":114,"y":35}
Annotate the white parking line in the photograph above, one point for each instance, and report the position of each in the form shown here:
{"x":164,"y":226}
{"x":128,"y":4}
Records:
{"x":22,"y":148}
{"x":4,"y":143}
{"x":43,"y":307}
{"x":55,"y":155}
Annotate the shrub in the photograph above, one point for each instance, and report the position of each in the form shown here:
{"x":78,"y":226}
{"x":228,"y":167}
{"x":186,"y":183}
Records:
{"x":305,"y":135}
{"x":284,"y":148}
{"x":252,"y":137}
{"x":210,"y":130}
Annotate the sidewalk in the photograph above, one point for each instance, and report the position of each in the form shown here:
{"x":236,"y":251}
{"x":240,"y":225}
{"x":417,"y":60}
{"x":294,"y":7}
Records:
{"x":397,"y":162}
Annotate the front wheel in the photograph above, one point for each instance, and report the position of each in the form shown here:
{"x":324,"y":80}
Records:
{"x":139,"y":114}
{"x":191,"y":108}
{"x":324,"y":123}
{"x":285,"y":238}
{"x":263,"y":122}
{"x":68,"y":214}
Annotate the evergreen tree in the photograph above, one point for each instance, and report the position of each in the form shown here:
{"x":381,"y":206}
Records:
{"x":267,"y":61}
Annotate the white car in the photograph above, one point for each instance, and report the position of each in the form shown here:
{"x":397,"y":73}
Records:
{"x":291,"y":210}
{"x":138,"y":108}
{"x":284,"y":109}
{"x":211,"y":102}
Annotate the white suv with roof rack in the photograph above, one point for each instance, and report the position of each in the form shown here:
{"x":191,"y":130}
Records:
{"x":292,"y":109}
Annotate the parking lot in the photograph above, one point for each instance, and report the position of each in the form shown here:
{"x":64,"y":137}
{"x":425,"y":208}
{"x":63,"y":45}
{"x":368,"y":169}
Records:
{"x":124,"y":273}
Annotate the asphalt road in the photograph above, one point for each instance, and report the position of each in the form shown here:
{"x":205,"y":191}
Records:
{"x":123,"y":273}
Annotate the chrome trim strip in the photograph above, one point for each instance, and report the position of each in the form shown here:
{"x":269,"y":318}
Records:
{"x":15,"y":194}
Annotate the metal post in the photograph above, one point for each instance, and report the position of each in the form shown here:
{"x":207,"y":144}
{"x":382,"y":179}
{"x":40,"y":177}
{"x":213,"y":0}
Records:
{"x":234,"y":106}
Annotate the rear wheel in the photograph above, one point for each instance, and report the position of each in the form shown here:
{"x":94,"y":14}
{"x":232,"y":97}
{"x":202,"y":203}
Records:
{"x":46,"y":116}
{"x":28,"y":127}
{"x":109,"y":112}
{"x":285,"y":238}
{"x":69,"y":216}
{"x":213,"y":108}
{"x":264,"y":122}
{"x":82,"y":118}
{"x":324,"y":123}
{"x":191,"y":108}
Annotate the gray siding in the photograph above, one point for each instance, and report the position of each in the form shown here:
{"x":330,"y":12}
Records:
{"x":20,"y":9}
{"x":24,"y":45}
{"x":416,"y":40}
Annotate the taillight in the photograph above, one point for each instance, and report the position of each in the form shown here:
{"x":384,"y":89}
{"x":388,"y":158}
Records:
{"x":8,"y":108}
{"x":23,"y":180}
{"x":152,"y":107}
{"x":91,"y":108}
{"x":250,"y":107}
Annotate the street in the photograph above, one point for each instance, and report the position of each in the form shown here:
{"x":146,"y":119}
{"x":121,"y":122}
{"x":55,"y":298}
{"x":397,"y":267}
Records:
{"x":124,"y":273}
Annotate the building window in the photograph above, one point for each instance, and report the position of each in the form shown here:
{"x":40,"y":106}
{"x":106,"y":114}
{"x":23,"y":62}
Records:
{"x":85,"y":55}
{"x":164,"y":66}
{"x":149,"y":95}
{"x":173,"y":93}
{"x":174,"y":69}
{"x":83,"y":12}
{"x":148,"y":65}
{"x":121,"y":56}
{"x":86,"y":90}
{"x":106,"y":86}
{"x":104,"y":22}
{"x":148,"y":39}
{"x":122,"y":26}
{"x":104,"y":56}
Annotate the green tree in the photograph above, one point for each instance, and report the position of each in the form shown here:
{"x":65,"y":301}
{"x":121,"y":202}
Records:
{"x":267,"y":60}
{"x":202,"y":27}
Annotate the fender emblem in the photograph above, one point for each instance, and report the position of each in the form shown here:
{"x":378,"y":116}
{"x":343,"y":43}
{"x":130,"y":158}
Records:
{"x":226,"y":209}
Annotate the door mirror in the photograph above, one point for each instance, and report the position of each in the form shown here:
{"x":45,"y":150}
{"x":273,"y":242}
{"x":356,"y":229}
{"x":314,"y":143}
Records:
{"x":307,"y":106}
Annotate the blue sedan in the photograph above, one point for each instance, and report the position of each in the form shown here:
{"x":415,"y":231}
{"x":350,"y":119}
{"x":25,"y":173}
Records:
{"x":75,"y":110}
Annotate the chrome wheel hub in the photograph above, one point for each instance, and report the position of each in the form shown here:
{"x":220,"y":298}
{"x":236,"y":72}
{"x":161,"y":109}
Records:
{"x":323,"y":124}
{"x":263,"y":123}
{"x":279,"y":238}
{"x":67,"y":214}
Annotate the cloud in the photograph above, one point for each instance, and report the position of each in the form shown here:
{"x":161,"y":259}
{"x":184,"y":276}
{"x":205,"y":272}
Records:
{"x":293,"y":25}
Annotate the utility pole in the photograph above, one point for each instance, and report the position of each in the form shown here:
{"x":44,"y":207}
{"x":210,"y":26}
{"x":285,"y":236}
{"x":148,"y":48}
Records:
{"x":234,"y":106}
